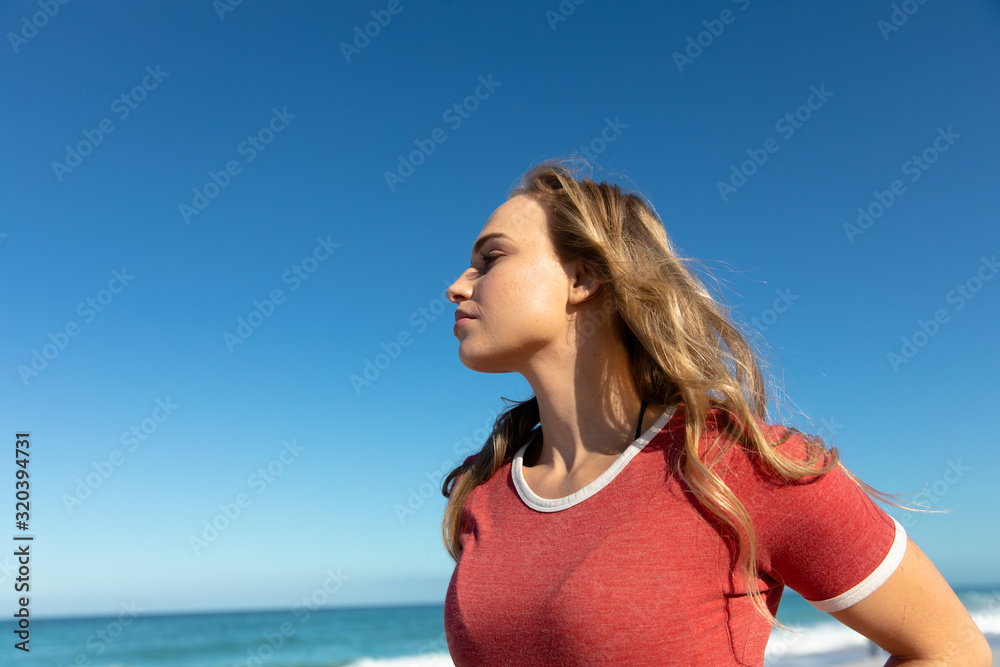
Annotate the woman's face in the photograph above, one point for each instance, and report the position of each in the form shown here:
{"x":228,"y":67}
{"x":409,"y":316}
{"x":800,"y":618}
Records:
{"x":518,"y":296}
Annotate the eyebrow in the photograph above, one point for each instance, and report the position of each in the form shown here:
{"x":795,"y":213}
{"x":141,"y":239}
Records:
{"x":481,"y":241}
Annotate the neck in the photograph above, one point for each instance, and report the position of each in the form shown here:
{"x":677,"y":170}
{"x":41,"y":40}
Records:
{"x":588,"y":403}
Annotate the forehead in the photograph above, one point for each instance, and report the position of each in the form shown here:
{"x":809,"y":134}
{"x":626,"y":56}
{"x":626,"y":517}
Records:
{"x":520,"y":218}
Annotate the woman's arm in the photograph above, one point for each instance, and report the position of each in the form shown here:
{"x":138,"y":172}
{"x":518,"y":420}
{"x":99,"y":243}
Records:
{"x":918,"y":619}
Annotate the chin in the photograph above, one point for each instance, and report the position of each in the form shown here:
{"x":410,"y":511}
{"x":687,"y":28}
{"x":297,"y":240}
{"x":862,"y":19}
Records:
{"x":481,"y":363}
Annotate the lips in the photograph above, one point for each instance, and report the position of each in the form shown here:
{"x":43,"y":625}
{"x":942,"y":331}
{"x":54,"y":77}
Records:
{"x":462,"y":318}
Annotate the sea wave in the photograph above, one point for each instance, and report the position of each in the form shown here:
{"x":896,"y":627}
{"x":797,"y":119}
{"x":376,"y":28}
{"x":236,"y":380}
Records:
{"x":832,"y":637}
{"x":812,"y":639}
{"x":424,"y":660}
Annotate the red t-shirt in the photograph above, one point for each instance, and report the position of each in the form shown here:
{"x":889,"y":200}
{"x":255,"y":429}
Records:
{"x":631,"y":570}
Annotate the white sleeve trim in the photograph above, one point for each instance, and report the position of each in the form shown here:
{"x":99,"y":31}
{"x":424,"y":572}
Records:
{"x":873,"y":580}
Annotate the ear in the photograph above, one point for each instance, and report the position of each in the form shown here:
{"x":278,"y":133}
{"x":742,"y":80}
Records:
{"x":583,"y":285}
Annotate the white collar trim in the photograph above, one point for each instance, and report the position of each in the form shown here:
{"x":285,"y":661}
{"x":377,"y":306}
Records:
{"x":555,"y":504}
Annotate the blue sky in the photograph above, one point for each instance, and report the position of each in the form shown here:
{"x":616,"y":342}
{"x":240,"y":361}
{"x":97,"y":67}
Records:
{"x":248,"y":160}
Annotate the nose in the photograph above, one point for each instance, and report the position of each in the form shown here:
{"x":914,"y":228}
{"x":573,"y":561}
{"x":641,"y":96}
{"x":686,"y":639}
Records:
{"x":461,"y":289}
{"x":456,"y":293}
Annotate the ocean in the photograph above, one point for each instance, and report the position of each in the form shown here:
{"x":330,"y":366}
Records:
{"x":402,"y":636}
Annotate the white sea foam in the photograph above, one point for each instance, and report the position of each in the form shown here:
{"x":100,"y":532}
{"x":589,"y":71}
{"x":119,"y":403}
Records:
{"x":984,"y":607}
{"x":813,"y":639}
{"x":834,"y":637}
{"x":988,"y":622}
{"x":423,"y":660}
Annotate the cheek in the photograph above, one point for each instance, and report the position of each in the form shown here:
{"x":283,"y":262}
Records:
{"x":532,"y":292}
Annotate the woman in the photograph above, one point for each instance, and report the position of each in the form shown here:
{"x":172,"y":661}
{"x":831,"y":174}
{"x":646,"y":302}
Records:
{"x":600,"y":538}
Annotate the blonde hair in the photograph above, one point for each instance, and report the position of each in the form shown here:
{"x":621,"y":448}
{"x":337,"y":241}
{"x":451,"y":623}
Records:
{"x":682,"y":344}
